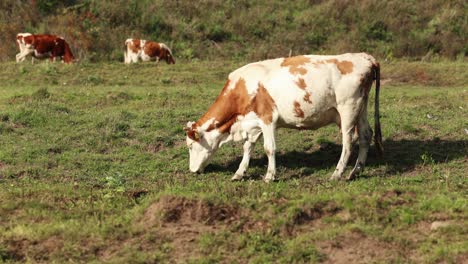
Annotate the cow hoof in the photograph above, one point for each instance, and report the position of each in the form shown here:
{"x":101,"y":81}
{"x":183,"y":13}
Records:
{"x":354,"y":173}
{"x":335,"y":177}
{"x":269,"y":179}
{"x":351,"y":176}
{"x":237,"y":177}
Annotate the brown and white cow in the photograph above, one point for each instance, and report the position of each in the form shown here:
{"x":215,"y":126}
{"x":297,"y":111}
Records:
{"x":43,"y":46}
{"x":147,"y":50}
{"x":303,"y":92}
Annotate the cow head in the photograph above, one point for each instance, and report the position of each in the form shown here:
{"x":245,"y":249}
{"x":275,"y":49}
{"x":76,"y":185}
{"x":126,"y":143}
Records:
{"x":166,"y":54}
{"x":170,"y":59}
{"x":202,"y":144}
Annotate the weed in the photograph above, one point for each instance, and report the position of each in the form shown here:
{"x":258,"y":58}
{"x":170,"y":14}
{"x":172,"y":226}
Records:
{"x":41,"y":94}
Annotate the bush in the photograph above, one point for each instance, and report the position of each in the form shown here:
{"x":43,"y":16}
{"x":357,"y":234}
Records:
{"x":96,"y":29}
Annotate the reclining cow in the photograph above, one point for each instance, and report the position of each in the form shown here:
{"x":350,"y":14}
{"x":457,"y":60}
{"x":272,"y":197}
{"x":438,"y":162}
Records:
{"x":43,"y":46}
{"x":303,"y":92}
{"x":146,"y":50}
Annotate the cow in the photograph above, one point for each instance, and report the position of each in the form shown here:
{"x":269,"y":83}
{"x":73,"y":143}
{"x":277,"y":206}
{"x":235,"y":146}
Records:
{"x":146,"y":50}
{"x":43,"y":46}
{"x":302,"y":92}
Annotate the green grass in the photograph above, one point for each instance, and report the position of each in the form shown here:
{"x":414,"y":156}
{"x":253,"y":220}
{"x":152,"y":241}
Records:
{"x":94,"y":168}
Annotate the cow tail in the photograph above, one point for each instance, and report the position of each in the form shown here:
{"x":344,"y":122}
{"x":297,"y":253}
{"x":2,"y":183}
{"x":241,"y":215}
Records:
{"x":378,"y":131}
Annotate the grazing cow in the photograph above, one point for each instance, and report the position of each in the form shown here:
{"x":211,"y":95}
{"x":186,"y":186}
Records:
{"x":42,"y":46}
{"x":303,"y":92}
{"x":147,"y":50}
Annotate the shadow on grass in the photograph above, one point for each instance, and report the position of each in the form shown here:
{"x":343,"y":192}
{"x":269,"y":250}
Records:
{"x":399,"y":157}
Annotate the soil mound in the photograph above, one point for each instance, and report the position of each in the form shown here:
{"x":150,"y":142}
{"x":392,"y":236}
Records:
{"x":172,"y":209}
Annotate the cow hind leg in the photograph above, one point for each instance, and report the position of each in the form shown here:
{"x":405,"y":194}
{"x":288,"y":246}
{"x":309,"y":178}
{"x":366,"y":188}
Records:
{"x":270,"y":148}
{"x":365,"y":137}
{"x":348,"y":114}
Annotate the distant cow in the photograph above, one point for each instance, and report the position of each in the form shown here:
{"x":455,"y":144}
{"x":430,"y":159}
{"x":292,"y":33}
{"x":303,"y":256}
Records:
{"x":303,"y":92}
{"x":43,"y":46}
{"x":147,"y":50}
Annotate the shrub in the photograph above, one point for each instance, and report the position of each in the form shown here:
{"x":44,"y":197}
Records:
{"x":96,"y":29}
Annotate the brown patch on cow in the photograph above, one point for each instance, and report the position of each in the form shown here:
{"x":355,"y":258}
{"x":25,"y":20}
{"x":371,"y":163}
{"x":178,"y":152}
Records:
{"x":295,"y":64}
{"x":301,"y":83}
{"x":233,"y":102}
{"x":366,"y":84}
{"x":28,"y":39}
{"x":263,"y":104}
{"x":135,"y":45}
{"x":307,"y":98}
{"x":344,"y":67}
{"x":297,"y":110}
{"x":228,"y":105}
{"x":152,"y":49}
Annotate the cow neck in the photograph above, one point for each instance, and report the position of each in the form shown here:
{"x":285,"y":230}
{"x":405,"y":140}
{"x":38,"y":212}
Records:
{"x":231,"y":103}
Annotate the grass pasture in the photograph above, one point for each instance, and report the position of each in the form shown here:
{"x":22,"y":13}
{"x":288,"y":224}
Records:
{"x":94,"y":168}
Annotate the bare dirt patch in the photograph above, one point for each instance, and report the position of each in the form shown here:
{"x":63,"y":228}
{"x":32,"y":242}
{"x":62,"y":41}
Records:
{"x":310,"y":217}
{"x":315,"y":212}
{"x":395,"y":198}
{"x":180,"y":210}
{"x":20,"y":249}
{"x":183,"y":220}
{"x":161,"y":146}
{"x":155,"y":148}
{"x":355,"y":247}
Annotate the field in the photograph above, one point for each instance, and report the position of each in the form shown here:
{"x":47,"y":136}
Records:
{"x":94,"y":168}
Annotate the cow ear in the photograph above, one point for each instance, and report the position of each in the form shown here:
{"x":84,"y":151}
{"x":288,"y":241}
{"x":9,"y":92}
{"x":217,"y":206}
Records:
{"x":196,"y":135}
{"x":189,"y":125}
{"x":191,"y":132}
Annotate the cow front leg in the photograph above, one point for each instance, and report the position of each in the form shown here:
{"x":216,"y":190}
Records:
{"x":21,"y":56}
{"x":270,"y":148}
{"x":248,"y":148}
{"x":348,"y":114}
